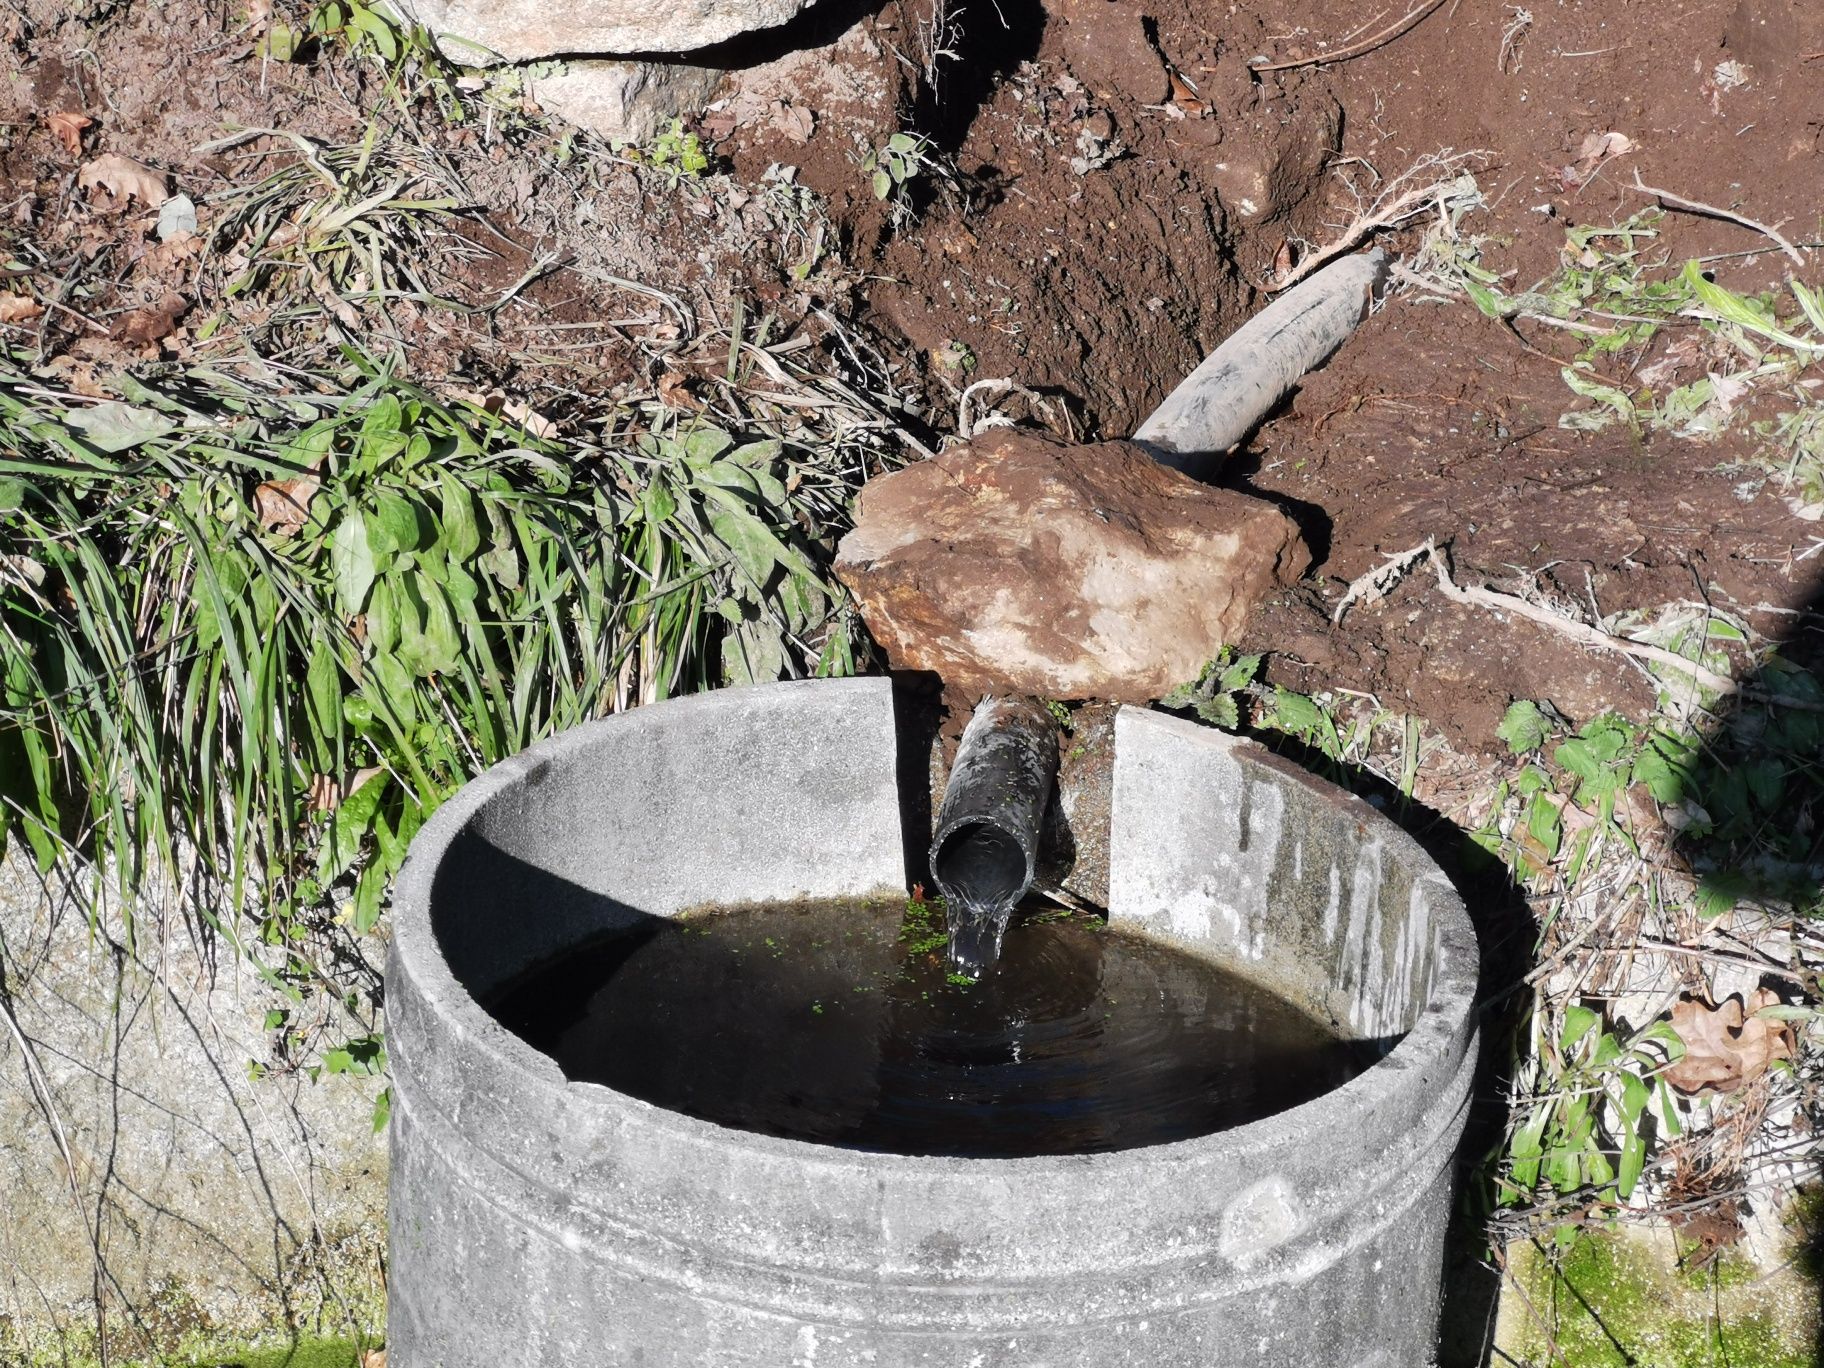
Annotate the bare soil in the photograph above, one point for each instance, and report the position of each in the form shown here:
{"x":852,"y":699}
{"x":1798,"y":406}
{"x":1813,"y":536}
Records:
{"x":1110,"y":185}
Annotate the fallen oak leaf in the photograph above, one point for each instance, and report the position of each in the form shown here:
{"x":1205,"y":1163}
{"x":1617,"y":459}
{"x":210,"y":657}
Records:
{"x":145,"y":326}
{"x":1727,"y":1046}
{"x":283,"y":506}
{"x":17,"y":308}
{"x":125,"y":179}
{"x":67,"y":125}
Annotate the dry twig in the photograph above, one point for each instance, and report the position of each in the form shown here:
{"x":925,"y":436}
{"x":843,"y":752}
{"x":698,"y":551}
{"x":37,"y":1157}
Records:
{"x":1673,"y":201}
{"x":1378,"y":583}
{"x":1367,"y":45}
{"x":1392,"y":208}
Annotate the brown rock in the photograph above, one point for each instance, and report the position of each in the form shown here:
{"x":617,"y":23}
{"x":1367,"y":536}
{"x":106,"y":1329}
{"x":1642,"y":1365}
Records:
{"x":1020,"y":565}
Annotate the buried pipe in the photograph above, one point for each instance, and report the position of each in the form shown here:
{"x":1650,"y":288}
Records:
{"x":987,"y":843}
{"x":1218,"y":404}
{"x":986,"y":848}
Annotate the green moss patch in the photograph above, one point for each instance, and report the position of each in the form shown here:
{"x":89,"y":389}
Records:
{"x":1621,"y":1298}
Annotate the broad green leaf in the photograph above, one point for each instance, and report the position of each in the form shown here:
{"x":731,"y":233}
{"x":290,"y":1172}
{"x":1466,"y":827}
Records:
{"x":755,"y":549}
{"x":1296,"y":713}
{"x":114,"y":426}
{"x":393,"y":524}
{"x":1219,"y":711}
{"x":461,"y":533}
{"x":323,"y":689}
{"x":349,"y":826}
{"x":1524,"y":727}
{"x":1239,"y":674}
{"x":1580,"y":758}
{"x":351,"y":562}
{"x":1578,"y":1022}
{"x":703,"y":444}
{"x":428,"y":642}
{"x":752,"y":654}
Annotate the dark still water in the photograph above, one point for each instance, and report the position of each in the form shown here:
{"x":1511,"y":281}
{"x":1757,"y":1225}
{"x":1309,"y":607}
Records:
{"x":838,"y":1023}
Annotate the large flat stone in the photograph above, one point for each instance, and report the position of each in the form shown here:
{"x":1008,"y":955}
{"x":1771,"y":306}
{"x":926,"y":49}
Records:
{"x":627,"y":101}
{"x":528,"y":30}
{"x":1021,"y":565}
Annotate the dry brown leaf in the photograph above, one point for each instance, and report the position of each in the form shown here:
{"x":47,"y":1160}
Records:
{"x":373,"y":1358}
{"x":326,"y":795}
{"x":17,"y":308}
{"x":259,"y":15}
{"x":67,"y":125}
{"x":154,"y":323}
{"x":1184,"y":95}
{"x":124,"y":179}
{"x":674,"y":391}
{"x":529,"y":418}
{"x":1726,"y":1046}
{"x":793,"y":121}
{"x":283,"y":506}
{"x":718,"y":124}
{"x":1597,"y":148}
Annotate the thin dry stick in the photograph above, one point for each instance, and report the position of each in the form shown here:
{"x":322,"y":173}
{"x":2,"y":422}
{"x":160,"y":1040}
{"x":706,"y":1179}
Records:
{"x":1393,"y":214}
{"x":1699,"y":207}
{"x":1377,"y":583}
{"x":1653,"y":947}
{"x":1367,"y":45}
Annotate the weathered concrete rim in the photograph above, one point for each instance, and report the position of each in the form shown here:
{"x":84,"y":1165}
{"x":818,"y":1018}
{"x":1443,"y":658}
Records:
{"x":1137,"y":1228}
{"x":1159,"y":1287}
{"x":1444,"y":1025}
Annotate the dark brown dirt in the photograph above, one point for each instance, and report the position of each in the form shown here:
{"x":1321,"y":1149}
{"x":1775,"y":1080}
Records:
{"x":1436,"y":423}
{"x":1110,"y":184}
{"x":1102,"y":284}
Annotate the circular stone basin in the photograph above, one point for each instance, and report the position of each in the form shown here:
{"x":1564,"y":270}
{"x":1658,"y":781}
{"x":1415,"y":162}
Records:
{"x":541,"y":1220}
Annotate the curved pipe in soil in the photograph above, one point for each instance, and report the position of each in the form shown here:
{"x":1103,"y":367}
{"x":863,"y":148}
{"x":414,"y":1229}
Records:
{"x":1218,"y":404}
{"x":987,"y":841}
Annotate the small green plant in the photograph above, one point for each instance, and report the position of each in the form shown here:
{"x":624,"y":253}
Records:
{"x":897,"y":162}
{"x":675,"y":151}
{"x":920,"y":930}
{"x":1217,"y":694}
{"x":1618,"y":299}
{"x":1588,"y":1124}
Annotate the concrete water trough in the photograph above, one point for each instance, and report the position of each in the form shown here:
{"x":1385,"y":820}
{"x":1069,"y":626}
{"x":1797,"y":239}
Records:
{"x":536,"y":1220}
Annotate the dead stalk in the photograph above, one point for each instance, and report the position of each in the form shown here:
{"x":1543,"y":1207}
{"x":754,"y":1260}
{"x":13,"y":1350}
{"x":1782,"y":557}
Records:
{"x":1667,"y":198}
{"x":1367,"y":45}
{"x":1392,"y":208}
{"x":1377,"y":583}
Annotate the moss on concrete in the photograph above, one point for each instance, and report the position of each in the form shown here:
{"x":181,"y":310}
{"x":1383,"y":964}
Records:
{"x":1621,"y":1298}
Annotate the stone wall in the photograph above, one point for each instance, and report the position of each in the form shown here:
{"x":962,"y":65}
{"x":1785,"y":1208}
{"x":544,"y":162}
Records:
{"x":222,"y":1208}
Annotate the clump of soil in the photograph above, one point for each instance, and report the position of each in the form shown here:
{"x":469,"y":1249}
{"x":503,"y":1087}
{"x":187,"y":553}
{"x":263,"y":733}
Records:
{"x":1104,"y":184}
{"x":1098,"y":193}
